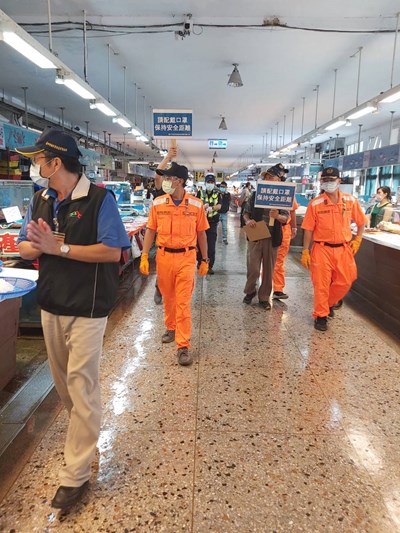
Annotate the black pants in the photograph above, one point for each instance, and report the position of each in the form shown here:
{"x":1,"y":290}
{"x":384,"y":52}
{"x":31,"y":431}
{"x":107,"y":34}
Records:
{"x":211,"y":240}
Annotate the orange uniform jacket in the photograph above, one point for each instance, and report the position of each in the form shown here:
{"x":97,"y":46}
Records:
{"x":331,"y":222}
{"x":177,"y":226}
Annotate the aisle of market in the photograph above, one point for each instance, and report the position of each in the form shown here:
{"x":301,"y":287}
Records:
{"x":275,"y":427}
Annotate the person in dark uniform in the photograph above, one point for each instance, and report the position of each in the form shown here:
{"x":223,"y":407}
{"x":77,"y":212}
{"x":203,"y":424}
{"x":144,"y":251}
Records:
{"x":223,"y":212}
{"x":211,"y":199}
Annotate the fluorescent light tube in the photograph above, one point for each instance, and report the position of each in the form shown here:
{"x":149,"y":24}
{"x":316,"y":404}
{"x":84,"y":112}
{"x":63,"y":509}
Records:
{"x":135,"y":132}
{"x":361,"y":112}
{"x":335,"y":125}
{"x":142,"y":138}
{"x":27,"y":50}
{"x":78,"y":89}
{"x":106,"y":110}
{"x":392,"y":98}
{"x":122,"y":122}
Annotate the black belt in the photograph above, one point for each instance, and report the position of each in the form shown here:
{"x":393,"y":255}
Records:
{"x":177,"y":250}
{"x":331,"y":244}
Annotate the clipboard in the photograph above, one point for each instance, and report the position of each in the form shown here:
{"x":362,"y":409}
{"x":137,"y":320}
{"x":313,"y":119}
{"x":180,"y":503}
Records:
{"x":260,"y":231}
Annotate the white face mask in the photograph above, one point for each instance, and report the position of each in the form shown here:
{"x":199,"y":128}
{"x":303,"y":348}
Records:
{"x":209,"y":187}
{"x":167,"y":187}
{"x":329,"y":186}
{"x":36,"y":177}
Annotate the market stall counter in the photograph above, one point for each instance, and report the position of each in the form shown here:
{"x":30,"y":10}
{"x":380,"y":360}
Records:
{"x":378,"y":283}
{"x":22,"y":281}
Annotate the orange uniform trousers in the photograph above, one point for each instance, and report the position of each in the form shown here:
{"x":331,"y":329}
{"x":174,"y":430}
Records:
{"x":278,"y":279}
{"x":175,"y":278}
{"x":333,"y":271}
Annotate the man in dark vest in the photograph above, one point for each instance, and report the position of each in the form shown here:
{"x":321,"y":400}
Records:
{"x":263,"y":253}
{"x":75,"y":230}
{"x":211,"y":199}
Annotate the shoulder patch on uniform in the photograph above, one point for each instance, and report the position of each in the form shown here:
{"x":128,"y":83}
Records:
{"x":348,"y":198}
{"x":160,"y":200}
{"x":196,"y":202}
{"x":317,"y":201}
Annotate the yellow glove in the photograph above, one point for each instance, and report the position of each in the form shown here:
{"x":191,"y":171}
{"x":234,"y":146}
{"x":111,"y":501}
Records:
{"x":305,"y":258}
{"x":144,"y":266}
{"x":203,"y":269}
{"x":355,"y":244}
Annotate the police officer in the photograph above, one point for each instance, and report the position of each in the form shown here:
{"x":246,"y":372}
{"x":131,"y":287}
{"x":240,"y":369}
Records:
{"x":331,"y":262}
{"x":211,"y":199}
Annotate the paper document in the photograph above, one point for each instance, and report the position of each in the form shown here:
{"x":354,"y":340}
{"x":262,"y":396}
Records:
{"x":260,"y":231}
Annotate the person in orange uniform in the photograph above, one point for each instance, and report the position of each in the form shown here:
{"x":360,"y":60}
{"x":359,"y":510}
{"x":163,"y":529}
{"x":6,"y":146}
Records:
{"x":331,"y":263}
{"x":180,"y":222}
{"x":289,"y":231}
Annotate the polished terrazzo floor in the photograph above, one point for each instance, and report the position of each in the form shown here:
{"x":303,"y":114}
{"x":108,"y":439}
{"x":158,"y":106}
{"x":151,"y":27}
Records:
{"x":275,"y":428}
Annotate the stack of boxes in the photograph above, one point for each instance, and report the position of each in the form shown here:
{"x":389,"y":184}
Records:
{"x":9,"y":166}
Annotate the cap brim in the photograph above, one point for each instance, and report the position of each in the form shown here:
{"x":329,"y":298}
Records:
{"x":29,"y":150}
{"x":166,"y":172}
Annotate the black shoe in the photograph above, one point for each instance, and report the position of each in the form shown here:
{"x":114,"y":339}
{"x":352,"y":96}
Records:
{"x":157,"y":296}
{"x":68,"y":496}
{"x":265,"y":305}
{"x":279,"y":295}
{"x":331,"y":312}
{"x":247,"y":299}
{"x":321,"y":323}
{"x":211,"y":272}
{"x":225,"y":242}
{"x":338,"y":305}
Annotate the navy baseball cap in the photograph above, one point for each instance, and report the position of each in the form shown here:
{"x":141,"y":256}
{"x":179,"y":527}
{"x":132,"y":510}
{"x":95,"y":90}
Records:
{"x":55,"y":141}
{"x":179,"y":171}
{"x":330,"y":172}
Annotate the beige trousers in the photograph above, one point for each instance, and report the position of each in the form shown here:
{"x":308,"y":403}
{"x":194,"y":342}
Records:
{"x":74,"y":346}
{"x":260,"y":254}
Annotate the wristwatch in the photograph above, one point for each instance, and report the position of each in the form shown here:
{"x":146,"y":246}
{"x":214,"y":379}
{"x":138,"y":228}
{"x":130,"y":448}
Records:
{"x":65,"y":249}
{"x":205,"y":260}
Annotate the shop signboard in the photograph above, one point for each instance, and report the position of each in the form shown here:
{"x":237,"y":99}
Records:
{"x":353,"y":161}
{"x":16,"y":136}
{"x":217,"y":144}
{"x":172,"y":122}
{"x":388,"y":155}
{"x":275,"y":194}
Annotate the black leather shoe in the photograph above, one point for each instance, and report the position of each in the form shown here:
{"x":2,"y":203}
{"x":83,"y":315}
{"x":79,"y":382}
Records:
{"x":338,"y":305}
{"x":248,"y":298}
{"x":68,"y":496}
{"x":265,"y":305}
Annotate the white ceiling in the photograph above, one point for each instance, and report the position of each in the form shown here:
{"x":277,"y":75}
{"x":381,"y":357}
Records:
{"x":279,"y":67}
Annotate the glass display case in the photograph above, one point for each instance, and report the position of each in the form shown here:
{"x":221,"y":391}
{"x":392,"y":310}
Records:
{"x":16,"y":193}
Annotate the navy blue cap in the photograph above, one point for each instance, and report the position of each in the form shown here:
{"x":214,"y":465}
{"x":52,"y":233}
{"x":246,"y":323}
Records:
{"x":55,"y":141}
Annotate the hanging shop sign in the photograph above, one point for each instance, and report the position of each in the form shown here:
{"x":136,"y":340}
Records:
{"x":172,"y":122}
{"x":275,"y":195}
{"x":16,"y":136}
{"x":388,"y":155}
{"x":217,"y":144}
{"x":353,"y":161}
{"x":90,"y":158}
